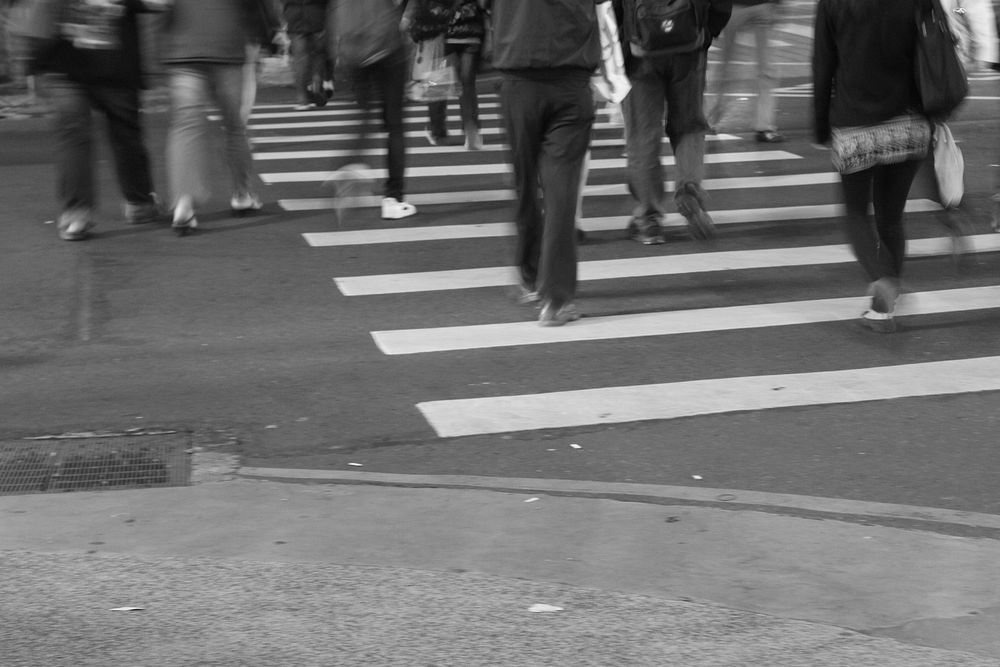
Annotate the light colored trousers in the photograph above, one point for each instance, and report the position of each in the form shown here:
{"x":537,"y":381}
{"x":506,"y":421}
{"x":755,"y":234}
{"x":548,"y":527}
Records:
{"x":195,"y":90}
{"x":760,"y":19}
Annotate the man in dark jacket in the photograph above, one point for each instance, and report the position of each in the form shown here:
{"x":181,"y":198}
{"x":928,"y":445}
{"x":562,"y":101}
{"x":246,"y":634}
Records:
{"x":546,"y":53}
{"x":674,"y":83}
{"x":306,"y":26}
{"x":95,"y":65}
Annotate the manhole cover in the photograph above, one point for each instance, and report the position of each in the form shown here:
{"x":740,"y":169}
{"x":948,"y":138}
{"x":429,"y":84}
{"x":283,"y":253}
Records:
{"x":92,"y":461}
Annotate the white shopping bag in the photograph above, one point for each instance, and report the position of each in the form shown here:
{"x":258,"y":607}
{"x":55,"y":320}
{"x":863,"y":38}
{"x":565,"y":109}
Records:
{"x":432,"y":77}
{"x":949,"y":167}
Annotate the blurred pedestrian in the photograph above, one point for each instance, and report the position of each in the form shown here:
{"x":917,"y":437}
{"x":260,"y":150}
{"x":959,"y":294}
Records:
{"x":866,"y":103}
{"x":758,"y":17}
{"x":463,"y":24}
{"x":209,"y":49}
{"x":668,"y":85}
{"x":369,"y":47}
{"x":974,"y":23}
{"x":546,"y":53}
{"x":305,"y":23}
{"x":95,"y":65}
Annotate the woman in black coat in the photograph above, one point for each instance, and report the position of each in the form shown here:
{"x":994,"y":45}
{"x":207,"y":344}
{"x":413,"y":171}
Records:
{"x":866,"y":104}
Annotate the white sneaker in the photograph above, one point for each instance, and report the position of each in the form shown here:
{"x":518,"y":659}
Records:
{"x":393,"y":209}
{"x":74,"y":225}
{"x":240,"y":204}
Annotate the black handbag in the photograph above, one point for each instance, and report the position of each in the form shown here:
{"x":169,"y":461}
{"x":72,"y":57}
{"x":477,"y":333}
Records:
{"x":940,"y":76}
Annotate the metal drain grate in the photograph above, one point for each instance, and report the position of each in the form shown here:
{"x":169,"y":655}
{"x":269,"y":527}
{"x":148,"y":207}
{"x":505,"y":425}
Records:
{"x":91,"y":461}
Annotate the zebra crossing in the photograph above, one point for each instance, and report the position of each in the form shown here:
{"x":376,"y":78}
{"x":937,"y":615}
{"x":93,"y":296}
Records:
{"x":454,"y":186}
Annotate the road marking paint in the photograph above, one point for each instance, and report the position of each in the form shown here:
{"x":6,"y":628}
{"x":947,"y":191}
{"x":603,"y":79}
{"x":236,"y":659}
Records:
{"x":288,"y":111}
{"x":504,"y":168}
{"x":481,"y":196}
{"x":635,"y":267}
{"x":673,"y":400}
{"x":639,"y":325}
{"x":457,"y":148}
{"x":452,"y":150}
{"x":355,"y":122}
{"x":734,"y":498}
{"x":609,"y":223}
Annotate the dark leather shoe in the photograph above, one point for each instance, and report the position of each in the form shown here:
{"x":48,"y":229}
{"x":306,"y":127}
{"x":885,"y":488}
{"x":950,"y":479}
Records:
{"x":769,"y":137}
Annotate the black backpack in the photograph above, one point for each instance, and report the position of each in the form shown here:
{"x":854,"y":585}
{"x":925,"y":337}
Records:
{"x":661,"y":27}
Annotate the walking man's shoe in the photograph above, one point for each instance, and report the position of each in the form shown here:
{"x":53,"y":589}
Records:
{"x":75,"y":224}
{"x":527,"y":295}
{"x":556,"y":317}
{"x":689,"y":205}
{"x":144,"y":212}
{"x":769,"y":137}
{"x":646,"y":231}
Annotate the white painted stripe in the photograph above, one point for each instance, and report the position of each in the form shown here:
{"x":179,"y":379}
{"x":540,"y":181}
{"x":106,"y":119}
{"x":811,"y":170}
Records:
{"x":344,"y":110}
{"x":341,"y":137}
{"x":450,"y":150}
{"x":352,"y":122}
{"x":795,"y":29}
{"x":351,"y":109}
{"x":453,"y":171}
{"x":609,"y":223}
{"x":614,"y":405}
{"x":659,"y":265}
{"x":735,"y":497}
{"x":639,"y":325}
{"x":479,"y":196}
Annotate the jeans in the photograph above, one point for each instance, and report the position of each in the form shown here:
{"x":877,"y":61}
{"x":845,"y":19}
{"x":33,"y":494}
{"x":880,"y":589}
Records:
{"x":548,"y":121}
{"x":880,"y":247}
{"x":676,"y":85}
{"x":384,"y":80}
{"x":194,"y":89}
{"x":309,"y":64}
{"x":73,"y":104}
{"x":760,"y":18}
{"x":466,"y":66}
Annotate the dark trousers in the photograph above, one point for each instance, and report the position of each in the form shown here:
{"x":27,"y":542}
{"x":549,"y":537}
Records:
{"x":74,"y":104}
{"x":880,"y":243}
{"x":466,"y":58}
{"x":548,"y":118}
{"x":385,"y":80}
{"x":310,"y":65}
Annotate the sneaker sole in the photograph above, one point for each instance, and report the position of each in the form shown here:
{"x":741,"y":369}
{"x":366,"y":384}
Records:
{"x":398,"y":216}
{"x":880,"y":326}
{"x":701,"y":226}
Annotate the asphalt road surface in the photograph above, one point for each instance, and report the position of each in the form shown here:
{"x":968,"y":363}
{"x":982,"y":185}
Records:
{"x":313,"y":342}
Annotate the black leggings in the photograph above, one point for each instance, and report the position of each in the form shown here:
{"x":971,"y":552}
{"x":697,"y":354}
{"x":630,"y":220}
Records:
{"x":879,"y":245}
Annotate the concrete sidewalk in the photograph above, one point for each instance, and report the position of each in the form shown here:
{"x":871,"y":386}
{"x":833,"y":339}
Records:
{"x":258,"y":572}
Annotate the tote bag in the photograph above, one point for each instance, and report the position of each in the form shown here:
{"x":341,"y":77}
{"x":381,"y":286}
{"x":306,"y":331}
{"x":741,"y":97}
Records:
{"x":432,"y":78}
{"x":940,"y":75}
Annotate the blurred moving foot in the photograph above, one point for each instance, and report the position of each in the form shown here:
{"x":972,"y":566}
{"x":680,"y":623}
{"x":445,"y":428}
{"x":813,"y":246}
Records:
{"x":556,"y":317}
{"x":75,"y":225}
{"x":769,"y":137}
{"x":241,"y":204}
